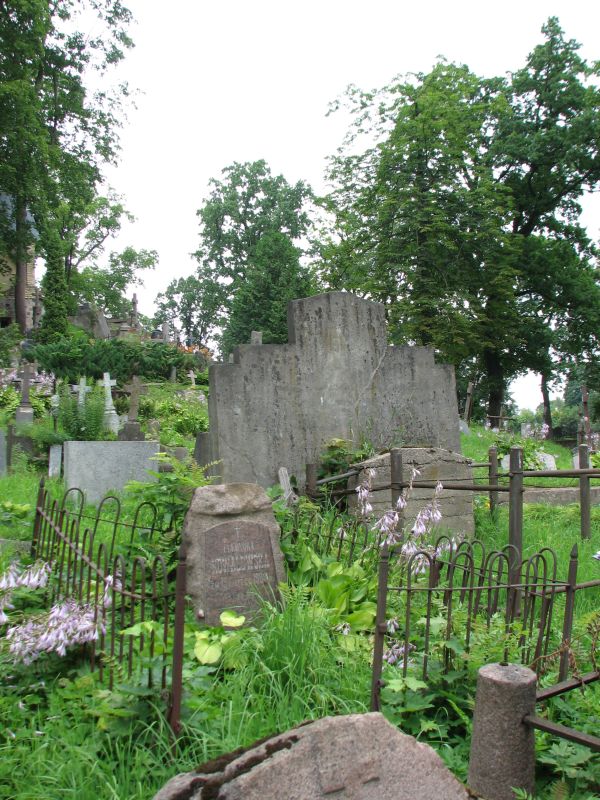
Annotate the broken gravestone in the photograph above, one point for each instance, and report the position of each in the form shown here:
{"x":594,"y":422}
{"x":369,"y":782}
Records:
{"x":349,"y":757}
{"x":232,"y":549}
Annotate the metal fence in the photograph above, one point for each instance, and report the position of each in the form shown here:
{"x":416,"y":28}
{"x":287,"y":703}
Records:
{"x":94,"y":563}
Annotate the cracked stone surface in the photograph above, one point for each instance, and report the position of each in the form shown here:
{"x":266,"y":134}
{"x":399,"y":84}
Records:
{"x":355,"y":757}
{"x":434,"y":464}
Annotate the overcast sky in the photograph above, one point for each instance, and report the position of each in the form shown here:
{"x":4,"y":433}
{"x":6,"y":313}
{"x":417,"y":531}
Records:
{"x":239,"y":80}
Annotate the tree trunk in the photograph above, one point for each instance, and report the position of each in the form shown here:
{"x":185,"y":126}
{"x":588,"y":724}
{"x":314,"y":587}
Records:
{"x":21,"y":263}
{"x":495,"y":377}
{"x":547,"y":409}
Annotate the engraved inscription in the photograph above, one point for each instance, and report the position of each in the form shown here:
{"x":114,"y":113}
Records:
{"x":237,"y":560}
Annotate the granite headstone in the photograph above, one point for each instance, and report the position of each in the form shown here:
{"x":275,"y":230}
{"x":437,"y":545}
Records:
{"x":55,"y":461}
{"x":232,"y":547}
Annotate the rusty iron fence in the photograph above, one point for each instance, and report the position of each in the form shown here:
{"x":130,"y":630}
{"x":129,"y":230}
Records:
{"x":510,"y":483}
{"x":95,"y":562}
{"x":470,"y":593}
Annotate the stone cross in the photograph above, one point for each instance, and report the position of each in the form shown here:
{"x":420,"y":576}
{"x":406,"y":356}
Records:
{"x":192,"y":376}
{"x":136,"y":388}
{"x":111,"y":419}
{"x":82,"y":389}
{"x":134,"y":311}
{"x":25,"y":375}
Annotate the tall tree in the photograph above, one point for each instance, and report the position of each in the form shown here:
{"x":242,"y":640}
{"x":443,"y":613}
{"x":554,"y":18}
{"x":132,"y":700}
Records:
{"x":467,"y":197}
{"x":274,"y":276}
{"x":54,"y":132}
{"x":244,"y":206}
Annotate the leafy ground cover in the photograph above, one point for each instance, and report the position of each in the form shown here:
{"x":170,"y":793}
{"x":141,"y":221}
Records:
{"x":63,"y":734}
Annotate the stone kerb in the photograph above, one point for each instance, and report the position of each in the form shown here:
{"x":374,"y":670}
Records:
{"x":97,"y":468}
{"x":232,"y":550}
{"x":434,"y":464}
{"x":355,"y":756}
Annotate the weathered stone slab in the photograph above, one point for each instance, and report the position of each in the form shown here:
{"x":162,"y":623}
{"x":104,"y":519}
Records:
{"x":350,"y":757}
{"x":55,"y":461}
{"x":24,"y":415}
{"x":336,"y":378}
{"x":434,"y":464}
{"x":232,"y":547}
{"x":547,"y":459}
{"x":97,"y":468}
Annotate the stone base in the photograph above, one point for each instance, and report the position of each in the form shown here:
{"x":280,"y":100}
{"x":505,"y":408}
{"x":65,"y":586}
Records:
{"x":434,"y":464}
{"x":24,"y":415}
{"x":131,"y":432}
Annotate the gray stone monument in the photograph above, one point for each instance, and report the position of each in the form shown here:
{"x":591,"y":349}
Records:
{"x":97,"y":468}
{"x":111,"y":418}
{"x":81,"y":389}
{"x":55,"y":461}
{"x":351,"y":757}
{"x":24,"y":413}
{"x":165,"y":332}
{"x":232,"y":546}
{"x":336,"y":378}
{"x":433,"y":464}
{"x":256,"y":337}
{"x":192,"y":376}
{"x":131,"y":430}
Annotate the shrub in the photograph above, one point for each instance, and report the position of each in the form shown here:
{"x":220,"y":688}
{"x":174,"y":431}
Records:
{"x":82,"y":422}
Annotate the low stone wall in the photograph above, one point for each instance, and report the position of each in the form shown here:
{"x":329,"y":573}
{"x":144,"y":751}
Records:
{"x":555,"y":496}
{"x":434,"y":464}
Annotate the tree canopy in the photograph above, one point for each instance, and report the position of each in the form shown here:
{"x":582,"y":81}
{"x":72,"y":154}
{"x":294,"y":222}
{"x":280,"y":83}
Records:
{"x":462,"y":213}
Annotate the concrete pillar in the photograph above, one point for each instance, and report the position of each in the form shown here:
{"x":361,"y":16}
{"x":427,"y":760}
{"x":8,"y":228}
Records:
{"x":502,"y":747}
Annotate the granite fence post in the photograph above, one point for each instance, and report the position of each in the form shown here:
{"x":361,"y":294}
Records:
{"x":502,"y":753}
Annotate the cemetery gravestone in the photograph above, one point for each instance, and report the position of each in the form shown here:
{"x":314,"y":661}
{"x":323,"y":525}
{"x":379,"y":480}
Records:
{"x":98,"y":468}
{"x":433,"y":464}
{"x":81,"y":389}
{"x":132,"y":431}
{"x":352,"y":757}
{"x":192,"y":376}
{"x":526,"y":430}
{"x":55,"y":461}
{"x":335,"y":378}
{"x":24,"y":413}
{"x":232,"y":549}
{"x":111,"y":419}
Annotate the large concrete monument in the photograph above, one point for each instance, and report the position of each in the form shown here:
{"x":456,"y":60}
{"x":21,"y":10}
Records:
{"x":278,"y":404}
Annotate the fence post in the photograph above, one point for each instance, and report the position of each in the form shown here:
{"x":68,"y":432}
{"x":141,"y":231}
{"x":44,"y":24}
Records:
{"x":178,"y":633}
{"x":10,"y":443}
{"x":584,"y":493}
{"x":493,"y":478}
{"x":396,"y":471}
{"x":468,"y":403}
{"x":515,"y":513}
{"x":563,"y":671}
{"x":380,"y":627}
{"x":311,"y":480}
{"x":37,"y":521}
{"x":503,"y":746}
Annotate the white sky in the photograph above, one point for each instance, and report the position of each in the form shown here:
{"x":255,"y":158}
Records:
{"x":236,"y":80}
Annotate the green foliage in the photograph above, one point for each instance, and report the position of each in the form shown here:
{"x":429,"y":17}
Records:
{"x":10,"y":338}
{"x":9,"y":399}
{"x":248,"y":204}
{"x":56,"y":302}
{"x":461,"y":214}
{"x":532,"y":448}
{"x":171,"y":495}
{"x":339,"y":454}
{"x":274,"y":276}
{"x":69,"y":357}
{"x":82,"y":422}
